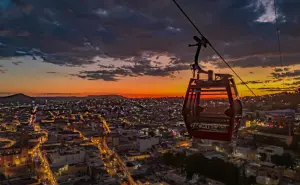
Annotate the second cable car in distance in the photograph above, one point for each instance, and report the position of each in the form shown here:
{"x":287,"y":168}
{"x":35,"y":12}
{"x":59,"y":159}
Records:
{"x":212,"y":108}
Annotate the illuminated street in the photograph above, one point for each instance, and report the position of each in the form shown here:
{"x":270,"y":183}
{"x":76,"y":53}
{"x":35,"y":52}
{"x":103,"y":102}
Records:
{"x":42,"y":165}
{"x":80,"y":133}
{"x":114,"y":157}
{"x":112,"y":162}
{"x":44,"y":169}
{"x":9,"y":144}
{"x":105,"y":125}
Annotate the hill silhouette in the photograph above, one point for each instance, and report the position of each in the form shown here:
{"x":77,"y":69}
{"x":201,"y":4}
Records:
{"x":105,"y":96}
{"x":20,"y":97}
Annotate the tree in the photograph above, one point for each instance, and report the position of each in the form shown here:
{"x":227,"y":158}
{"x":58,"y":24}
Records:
{"x":2,"y":177}
{"x":168,"y":158}
{"x":232,"y":174}
{"x":152,"y":134}
{"x":263,"y":156}
{"x":199,"y":164}
{"x":283,"y":160}
{"x":250,"y":180}
{"x":193,"y":165}
{"x":179,"y":159}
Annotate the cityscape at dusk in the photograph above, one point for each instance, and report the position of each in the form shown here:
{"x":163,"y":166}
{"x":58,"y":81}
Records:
{"x":149,"y":92}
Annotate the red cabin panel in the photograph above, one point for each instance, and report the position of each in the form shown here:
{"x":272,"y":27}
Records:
{"x":212,"y":109}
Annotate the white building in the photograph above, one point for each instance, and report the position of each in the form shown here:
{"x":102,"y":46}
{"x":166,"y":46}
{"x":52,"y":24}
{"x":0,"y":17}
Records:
{"x":94,"y":161}
{"x":266,"y":180}
{"x":94,"y":126}
{"x":67,"y":156}
{"x":72,"y":173}
{"x":66,"y":135}
{"x":214,"y":154}
{"x":245,"y":152}
{"x":160,"y":183}
{"x":178,"y":179}
{"x":297,"y":115}
{"x":145,"y":143}
{"x":127,"y":146}
{"x":132,"y":132}
{"x":270,"y":150}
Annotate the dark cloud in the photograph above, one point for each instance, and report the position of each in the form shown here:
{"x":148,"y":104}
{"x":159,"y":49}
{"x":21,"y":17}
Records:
{"x":52,"y":72}
{"x":148,"y":70}
{"x":289,"y":74}
{"x":296,"y":83}
{"x":277,"y":80}
{"x":111,"y":66}
{"x":276,"y":89}
{"x":260,"y":60}
{"x":141,"y":68}
{"x":106,"y":75}
{"x":17,"y":63}
{"x":72,"y":33}
{"x":26,"y":8}
{"x":59,"y":94}
{"x":278,"y":70}
{"x":3,"y":71}
{"x":253,"y":82}
{"x":259,"y":81}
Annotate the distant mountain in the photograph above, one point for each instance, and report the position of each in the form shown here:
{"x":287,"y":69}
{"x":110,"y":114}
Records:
{"x":283,"y":100}
{"x":17,"y":98}
{"x":105,"y":96}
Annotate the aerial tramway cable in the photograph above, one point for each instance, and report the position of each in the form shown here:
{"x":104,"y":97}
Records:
{"x":208,"y":42}
{"x":204,"y":120}
{"x":278,"y":35}
{"x":278,"y":38}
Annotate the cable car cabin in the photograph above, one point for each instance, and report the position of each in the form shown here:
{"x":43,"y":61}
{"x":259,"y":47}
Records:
{"x":212,"y":108}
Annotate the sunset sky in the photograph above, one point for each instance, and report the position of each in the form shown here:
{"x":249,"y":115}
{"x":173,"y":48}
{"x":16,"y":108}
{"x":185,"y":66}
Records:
{"x":140,"y":48}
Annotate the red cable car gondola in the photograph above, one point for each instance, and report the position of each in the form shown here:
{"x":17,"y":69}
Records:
{"x":212,"y":108}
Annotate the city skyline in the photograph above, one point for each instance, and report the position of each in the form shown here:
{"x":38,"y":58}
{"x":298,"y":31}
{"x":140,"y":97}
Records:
{"x":135,"y":50}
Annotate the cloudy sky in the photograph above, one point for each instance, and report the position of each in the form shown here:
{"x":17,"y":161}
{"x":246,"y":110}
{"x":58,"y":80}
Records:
{"x":134,"y":47}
